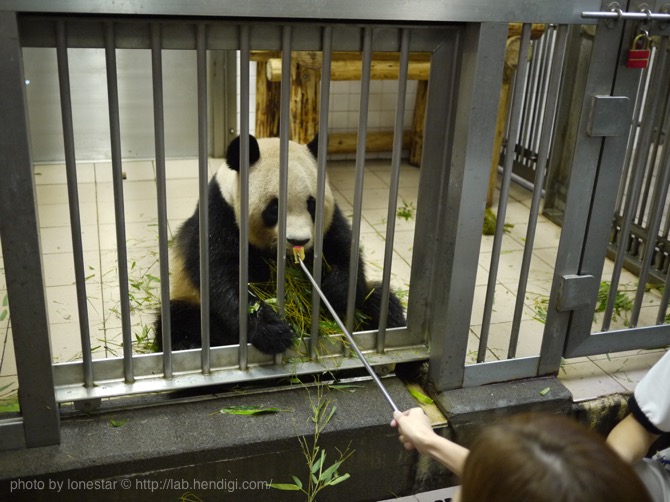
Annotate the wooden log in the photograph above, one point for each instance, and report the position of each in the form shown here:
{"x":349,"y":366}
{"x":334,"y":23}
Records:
{"x":536,"y":30}
{"x":305,"y":83}
{"x":306,"y":56}
{"x":376,"y":141}
{"x":268,"y":98}
{"x":351,"y":70}
{"x":418,"y":123}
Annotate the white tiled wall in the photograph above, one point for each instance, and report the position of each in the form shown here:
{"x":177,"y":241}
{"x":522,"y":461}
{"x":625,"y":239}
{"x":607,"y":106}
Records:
{"x":344,"y":106}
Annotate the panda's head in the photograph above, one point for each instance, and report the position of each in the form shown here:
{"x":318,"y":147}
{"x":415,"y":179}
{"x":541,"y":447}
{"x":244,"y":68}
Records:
{"x":264,"y":192}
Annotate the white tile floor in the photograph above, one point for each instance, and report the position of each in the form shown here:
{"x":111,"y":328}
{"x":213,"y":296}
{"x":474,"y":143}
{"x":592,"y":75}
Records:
{"x":585,"y":377}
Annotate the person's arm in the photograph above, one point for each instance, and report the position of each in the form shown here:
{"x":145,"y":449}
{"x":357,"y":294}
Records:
{"x":649,"y":414}
{"x":630,"y":439}
{"x":417,"y":433}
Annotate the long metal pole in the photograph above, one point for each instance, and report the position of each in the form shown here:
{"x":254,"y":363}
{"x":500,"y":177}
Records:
{"x":339,"y":322}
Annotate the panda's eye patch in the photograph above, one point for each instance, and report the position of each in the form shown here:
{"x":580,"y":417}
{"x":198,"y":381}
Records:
{"x":311,"y":207}
{"x":271,"y":213}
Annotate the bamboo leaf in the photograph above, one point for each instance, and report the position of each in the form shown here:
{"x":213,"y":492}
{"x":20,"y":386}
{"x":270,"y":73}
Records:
{"x":345,"y":387}
{"x":9,"y":407}
{"x":249,"y":410}
{"x":317,"y":465}
{"x":297,"y":481}
{"x":118,"y":423}
{"x":420,"y":396}
{"x":285,"y":486}
{"x":339,"y":479}
{"x":327,"y":475}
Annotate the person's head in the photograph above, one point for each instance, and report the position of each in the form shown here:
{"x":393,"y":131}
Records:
{"x":537,"y":458}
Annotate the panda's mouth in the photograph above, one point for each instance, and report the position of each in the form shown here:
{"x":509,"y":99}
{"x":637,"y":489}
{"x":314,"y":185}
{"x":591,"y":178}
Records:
{"x":292,"y":244}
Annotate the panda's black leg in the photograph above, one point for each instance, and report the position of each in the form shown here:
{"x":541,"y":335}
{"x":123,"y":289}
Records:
{"x":186,"y":328}
{"x":371,"y":308}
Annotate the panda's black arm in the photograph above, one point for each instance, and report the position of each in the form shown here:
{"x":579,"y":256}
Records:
{"x":337,"y":253}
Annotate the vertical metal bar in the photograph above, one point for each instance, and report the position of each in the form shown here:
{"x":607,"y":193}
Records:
{"x":244,"y":195}
{"x":548,"y":50}
{"x":359,"y":176}
{"x":663,"y":307}
{"x":654,"y":221}
{"x":284,"y":131}
{"x":203,"y":204}
{"x":393,"y":190}
{"x":161,"y":189}
{"x":119,"y":212}
{"x":633,"y":193}
{"x":73,"y":201}
{"x":517,"y":99}
{"x":529,"y":96}
{"x":22,"y":256}
{"x":327,"y":39}
{"x":543,"y":155}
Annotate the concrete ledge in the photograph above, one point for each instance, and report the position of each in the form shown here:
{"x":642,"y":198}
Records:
{"x":467,"y":410}
{"x":165,"y":451}
{"x":170,"y":449}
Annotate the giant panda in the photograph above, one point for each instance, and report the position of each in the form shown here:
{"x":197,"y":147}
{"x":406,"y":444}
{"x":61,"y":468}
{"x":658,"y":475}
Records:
{"x":266,"y":330}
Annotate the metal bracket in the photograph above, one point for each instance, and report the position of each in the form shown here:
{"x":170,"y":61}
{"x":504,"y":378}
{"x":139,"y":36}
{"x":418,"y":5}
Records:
{"x":610,"y":116}
{"x":575,"y":292}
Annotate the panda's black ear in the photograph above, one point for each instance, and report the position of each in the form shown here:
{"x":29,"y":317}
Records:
{"x":313,"y":146}
{"x":233,"y":153}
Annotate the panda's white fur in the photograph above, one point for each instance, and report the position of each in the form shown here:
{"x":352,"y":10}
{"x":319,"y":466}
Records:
{"x":264,"y":186}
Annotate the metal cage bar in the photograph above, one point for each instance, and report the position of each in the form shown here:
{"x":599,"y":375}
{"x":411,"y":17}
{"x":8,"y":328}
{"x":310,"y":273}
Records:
{"x":119,"y":211}
{"x":284,"y":131}
{"x":161,"y":195}
{"x":317,"y":266}
{"x":244,"y":196}
{"x":73,"y":201}
{"x":203,"y":201}
{"x":393,"y":190}
{"x":360,"y":178}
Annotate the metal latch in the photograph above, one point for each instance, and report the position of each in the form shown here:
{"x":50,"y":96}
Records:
{"x":610,"y":116}
{"x":575,"y":292}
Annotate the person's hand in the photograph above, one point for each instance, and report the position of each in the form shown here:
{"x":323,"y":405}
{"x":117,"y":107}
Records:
{"x":414,"y":428}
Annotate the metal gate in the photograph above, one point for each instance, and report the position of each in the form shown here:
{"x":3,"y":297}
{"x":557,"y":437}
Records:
{"x":585,"y":313}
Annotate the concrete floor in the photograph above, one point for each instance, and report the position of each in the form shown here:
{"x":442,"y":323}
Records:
{"x":586,"y":377}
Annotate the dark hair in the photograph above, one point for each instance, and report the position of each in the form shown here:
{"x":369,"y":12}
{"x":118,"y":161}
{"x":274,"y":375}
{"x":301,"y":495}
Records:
{"x":537,"y":458}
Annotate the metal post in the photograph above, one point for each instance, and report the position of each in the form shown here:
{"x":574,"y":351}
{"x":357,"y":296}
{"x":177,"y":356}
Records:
{"x":22,"y":255}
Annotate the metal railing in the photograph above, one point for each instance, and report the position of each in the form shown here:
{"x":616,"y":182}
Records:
{"x":467,"y":45}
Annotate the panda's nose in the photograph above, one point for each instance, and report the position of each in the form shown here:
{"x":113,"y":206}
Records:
{"x":298,"y":242}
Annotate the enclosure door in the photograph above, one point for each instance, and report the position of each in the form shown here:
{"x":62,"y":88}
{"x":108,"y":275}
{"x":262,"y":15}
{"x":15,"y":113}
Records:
{"x":585,"y":312}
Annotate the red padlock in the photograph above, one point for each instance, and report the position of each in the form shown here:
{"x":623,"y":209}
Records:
{"x":639,"y":54}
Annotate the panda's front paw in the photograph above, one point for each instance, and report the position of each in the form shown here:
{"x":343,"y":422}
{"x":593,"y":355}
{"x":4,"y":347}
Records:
{"x":268,"y":333}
